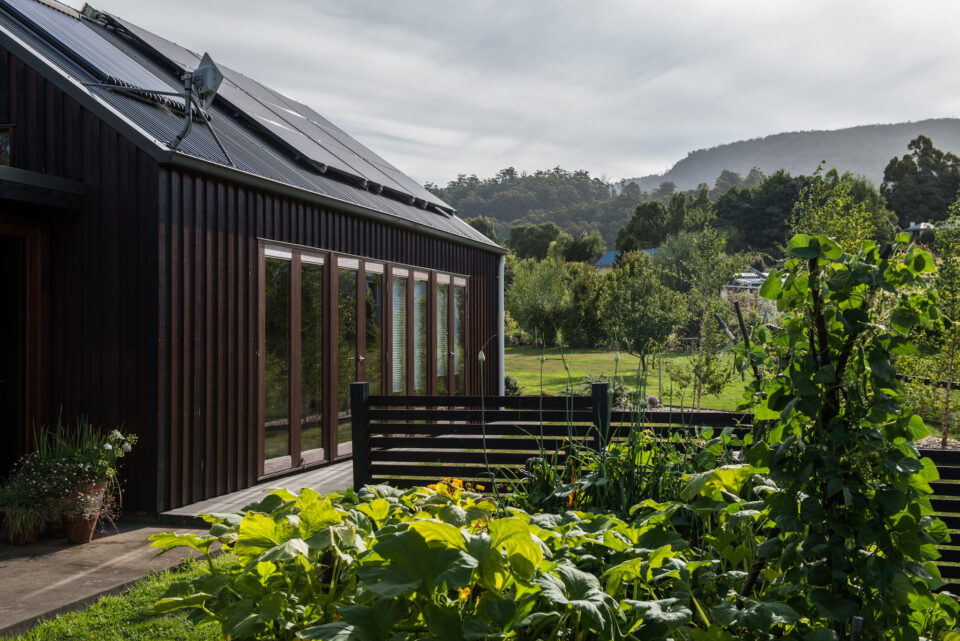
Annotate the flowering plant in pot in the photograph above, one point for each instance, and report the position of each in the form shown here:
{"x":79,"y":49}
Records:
{"x":23,"y":507}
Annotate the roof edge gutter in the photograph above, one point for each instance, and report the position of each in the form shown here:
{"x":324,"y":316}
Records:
{"x":191,"y":163}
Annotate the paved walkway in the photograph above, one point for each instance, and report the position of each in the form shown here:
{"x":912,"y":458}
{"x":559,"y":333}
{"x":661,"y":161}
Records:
{"x":331,"y":478}
{"x":51,"y":576}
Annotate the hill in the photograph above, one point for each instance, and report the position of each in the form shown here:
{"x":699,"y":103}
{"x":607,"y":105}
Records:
{"x":863,"y":150}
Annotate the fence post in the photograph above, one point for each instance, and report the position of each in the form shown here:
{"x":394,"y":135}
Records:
{"x":599,"y":393}
{"x":360,"y":427}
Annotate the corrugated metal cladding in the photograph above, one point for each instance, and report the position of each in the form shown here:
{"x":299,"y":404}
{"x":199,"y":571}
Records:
{"x":208,"y":318}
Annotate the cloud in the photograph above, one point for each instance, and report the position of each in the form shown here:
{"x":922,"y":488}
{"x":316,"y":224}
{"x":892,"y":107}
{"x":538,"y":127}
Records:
{"x":619,"y":88}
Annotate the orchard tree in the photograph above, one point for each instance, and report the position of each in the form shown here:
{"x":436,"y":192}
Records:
{"x":539,"y":297}
{"x":920,"y":186}
{"x":639,"y":311}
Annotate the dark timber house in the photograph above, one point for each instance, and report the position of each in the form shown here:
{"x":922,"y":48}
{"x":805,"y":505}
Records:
{"x":215,"y":296}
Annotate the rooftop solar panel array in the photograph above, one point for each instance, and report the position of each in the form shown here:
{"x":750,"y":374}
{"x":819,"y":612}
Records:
{"x":246,"y":149}
{"x":297,"y":125}
{"x":97,"y":54}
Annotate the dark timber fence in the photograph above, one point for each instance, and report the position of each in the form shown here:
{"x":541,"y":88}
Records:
{"x":417,"y":440}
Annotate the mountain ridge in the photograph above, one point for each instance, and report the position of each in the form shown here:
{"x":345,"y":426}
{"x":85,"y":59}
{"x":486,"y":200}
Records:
{"x":863,"y":149}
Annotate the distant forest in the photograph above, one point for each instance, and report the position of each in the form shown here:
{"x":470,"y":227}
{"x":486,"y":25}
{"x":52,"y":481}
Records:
{"x":764,"y":178}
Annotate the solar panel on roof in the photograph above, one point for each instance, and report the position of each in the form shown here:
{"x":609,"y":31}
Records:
{"x":96,"y":53}
{"x":296,"y":125}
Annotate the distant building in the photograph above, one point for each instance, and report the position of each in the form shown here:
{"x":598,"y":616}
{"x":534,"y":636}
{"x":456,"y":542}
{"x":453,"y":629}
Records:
{"x":916,"y":229}
{"x":748,"y":281}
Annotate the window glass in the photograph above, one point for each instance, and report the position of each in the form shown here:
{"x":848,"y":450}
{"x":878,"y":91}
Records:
{"x":374,"y":331}
{"x":443,"y":335}
{"x":347,"y":349}
{"x":6,"y":145}
{"x":311,"y":361}
{"x":399,"y":335}
{"x":420,"y":337}
{"x":277,"y":357}
{"x":459,"y":340}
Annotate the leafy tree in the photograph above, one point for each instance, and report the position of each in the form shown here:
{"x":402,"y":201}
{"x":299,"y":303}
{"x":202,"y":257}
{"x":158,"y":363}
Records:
{"x":697,"y":265}
{"x":539,"y":298}
{"x":726,"y":181}
{"x":947,"y":246}
{"x":645,"y":229}
{"x":587,"y":248}
{"x":756,"y":219}
{"x":560,"y":246}
{"x":532,"y":241}
{"x":753,"y":179}
{"x":639,"y":311}
{"x":582,"y":325}
{"x":484,"y":225}
{"x":921,"y":185}
{"x":828,"y":208}
{"x":664,"y":190}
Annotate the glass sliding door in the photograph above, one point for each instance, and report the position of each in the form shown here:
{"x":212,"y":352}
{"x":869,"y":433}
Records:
{"x":459,"y":339}
{"x":398,"y":333}
{"x":276,"y":357}
{"x":420,"y":333}
{"x":347,"y":270}
{"x":312,"y":441}
{"x":443,"y":336}
{"x":373,"y":330}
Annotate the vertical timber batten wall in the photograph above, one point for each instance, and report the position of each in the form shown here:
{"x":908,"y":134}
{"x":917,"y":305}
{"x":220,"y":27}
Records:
{"x":99,"y":270}
{"x":207,"y":396}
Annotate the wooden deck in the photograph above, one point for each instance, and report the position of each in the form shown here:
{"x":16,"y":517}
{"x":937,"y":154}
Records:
{"x":330,"y":478}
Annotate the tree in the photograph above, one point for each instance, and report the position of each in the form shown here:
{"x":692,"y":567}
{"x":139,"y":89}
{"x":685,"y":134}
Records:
{"x":539,"y":297}
{"x":726,"y":181}
{"x":639,"y":311}
{"x":826,"y":207}
{"x":587,"y":248}
{"x":645,"y":229}
{"x":922,"y":184}
{"x":532,"y":241}
{"x":581,"y":324}
{"x":756,"y":219}
{"x":484,"y":225}
{"x":560,"y":246}
{"x":947,"y":245}
{"x":664,"y":190}
{"x":697,"y":265}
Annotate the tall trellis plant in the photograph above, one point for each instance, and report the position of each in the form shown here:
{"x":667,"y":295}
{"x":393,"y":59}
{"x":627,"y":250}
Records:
{"x":854,"y":535}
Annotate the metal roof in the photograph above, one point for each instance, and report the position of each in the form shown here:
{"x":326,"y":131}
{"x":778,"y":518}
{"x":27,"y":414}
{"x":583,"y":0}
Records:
{"x":258,"y":131}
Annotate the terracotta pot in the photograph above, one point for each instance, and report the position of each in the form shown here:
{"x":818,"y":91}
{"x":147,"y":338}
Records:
{"x":79,"y":528}
{"x":24,"y":538}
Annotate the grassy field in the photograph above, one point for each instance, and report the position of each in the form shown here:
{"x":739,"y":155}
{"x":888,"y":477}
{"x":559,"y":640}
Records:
{"x":523,"y":363}
{"x":126,"y":616}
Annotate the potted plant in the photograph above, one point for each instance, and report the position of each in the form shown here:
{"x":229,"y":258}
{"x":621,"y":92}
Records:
{"x":24,"y":511}
{"x":89,"y":470}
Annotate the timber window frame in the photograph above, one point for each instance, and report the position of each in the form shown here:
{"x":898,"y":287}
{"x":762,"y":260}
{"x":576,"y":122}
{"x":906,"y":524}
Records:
{"x":419,"y":287}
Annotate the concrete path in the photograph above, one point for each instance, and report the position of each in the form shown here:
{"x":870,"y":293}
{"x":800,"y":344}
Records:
{"x":51,"y":576}
{"x":330,"y":478}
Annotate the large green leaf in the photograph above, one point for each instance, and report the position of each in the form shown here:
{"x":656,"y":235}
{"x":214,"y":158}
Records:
{"x":361,"y":622}
{"x":579,"y":591}
{"x":412,"y":564}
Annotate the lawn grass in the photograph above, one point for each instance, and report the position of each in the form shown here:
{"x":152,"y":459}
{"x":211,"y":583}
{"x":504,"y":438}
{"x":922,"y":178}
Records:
{"x":127,"y":617}
{"x":523,"y":363}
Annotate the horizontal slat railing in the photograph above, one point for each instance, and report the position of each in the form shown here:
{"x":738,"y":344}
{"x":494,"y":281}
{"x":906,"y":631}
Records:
{"x":946,"y":504}
{"x":417,"y":440}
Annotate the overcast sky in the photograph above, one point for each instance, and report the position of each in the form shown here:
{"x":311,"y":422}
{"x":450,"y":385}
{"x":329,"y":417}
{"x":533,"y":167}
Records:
{"x":621,"y":89}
